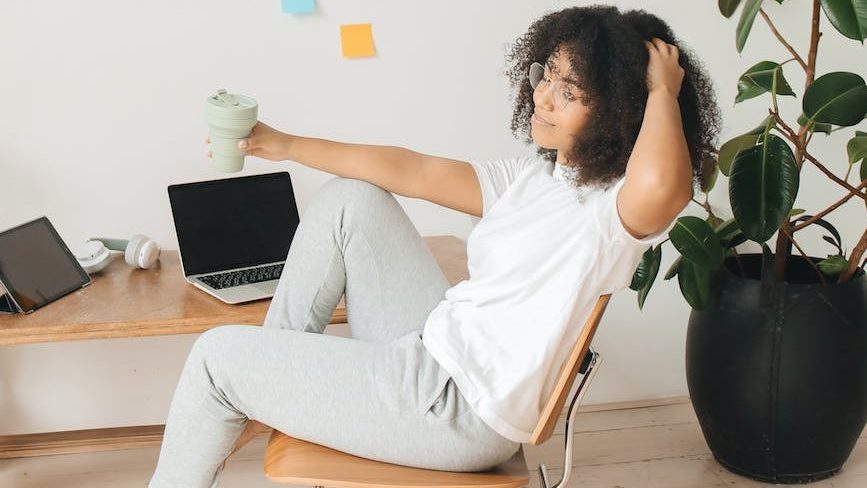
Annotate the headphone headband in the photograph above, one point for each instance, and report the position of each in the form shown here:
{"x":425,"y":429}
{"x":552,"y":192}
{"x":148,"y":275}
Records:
{"x":110,"y":243}
{"x":138,"y":251}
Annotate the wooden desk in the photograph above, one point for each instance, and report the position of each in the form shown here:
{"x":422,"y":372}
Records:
{"x":123,"y":301}
{"x":126,"y":302}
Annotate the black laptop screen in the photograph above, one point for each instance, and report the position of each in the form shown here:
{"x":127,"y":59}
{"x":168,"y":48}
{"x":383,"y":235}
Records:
{"x":234,"y":222}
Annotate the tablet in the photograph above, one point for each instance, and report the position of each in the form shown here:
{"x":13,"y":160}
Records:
{"x":36,"y":266}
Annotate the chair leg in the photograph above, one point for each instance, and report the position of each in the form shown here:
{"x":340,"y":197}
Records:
{"x":595,"y":360}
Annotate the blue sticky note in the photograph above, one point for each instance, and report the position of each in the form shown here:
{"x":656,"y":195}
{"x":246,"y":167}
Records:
{"x":298,"y":6}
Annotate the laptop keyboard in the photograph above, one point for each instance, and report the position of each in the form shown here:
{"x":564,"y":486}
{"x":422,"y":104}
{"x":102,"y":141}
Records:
{"x":242,"y":277}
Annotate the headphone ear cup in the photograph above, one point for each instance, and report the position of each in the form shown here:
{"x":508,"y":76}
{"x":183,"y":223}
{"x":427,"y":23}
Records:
{"x":93,"y":256}
{"x":149,"y":253}
{"x":139,"y":252}
{"x":132,"y":248}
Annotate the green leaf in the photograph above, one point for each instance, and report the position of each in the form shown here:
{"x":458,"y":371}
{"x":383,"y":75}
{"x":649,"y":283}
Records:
{"x":727,"y":229}
{"x":748,"y":15}
{"x":696,"y":284}
{"x":857,"y":148}
{"x":838,"y":98}
{"x":639,"y":277}
{"x":825,"y":225}
{"x":729,"y":233}
{"x":849,"y":17}
{"x":648,"y":268}
{"x":863,"y":170}
{"x":672,"y":270}
{"x":709,"y":172}
{"x":697,"y":242}
{"x":728,"y":7}
{"x":730,"y":150}
{"x":834,"y":243}
{"x":759,"y":79}
{"x":816,"y":127}
{"x":834,"y":265}
{"x":737,"y":239}
{"x":762,"y":187}
{"x":795,"y":211}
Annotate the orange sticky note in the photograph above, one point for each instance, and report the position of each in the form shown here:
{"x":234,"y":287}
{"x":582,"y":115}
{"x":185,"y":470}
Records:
{"x":357,"y":40}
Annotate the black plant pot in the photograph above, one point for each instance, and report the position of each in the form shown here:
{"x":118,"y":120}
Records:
{"x":777,"y":373}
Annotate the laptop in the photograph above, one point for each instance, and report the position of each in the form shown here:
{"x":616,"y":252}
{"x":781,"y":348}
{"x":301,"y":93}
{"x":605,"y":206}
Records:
{"x":234,"y":233}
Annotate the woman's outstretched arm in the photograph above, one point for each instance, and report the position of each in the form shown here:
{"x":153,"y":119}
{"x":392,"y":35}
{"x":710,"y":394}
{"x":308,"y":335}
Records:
{"x":447,"y":182}
{"x":393,"y":168}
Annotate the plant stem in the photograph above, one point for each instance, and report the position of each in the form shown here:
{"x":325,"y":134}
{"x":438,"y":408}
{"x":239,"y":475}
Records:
{"x":783,"y":248}
{"x":784,"y":242}
{"x":781,"y":131}
{"x":780,"y":37}
{"x":829,"y":209}
{"x":831,"y":175}
{"x":789,"y":132}
{"x":774,"y":89}
{"x":801,"y":141}
{"x":814,"y":45}
{"x":706,"y":207}
{"x":738,"y":260}
{"x":859,"y":250}
{"x":809,"y":261}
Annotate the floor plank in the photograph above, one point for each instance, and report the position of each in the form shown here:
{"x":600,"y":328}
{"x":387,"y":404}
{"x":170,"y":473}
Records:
{"x":647,"y":447}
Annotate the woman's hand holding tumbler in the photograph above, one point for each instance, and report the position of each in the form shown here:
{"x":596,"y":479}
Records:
{"x":263,"y":142}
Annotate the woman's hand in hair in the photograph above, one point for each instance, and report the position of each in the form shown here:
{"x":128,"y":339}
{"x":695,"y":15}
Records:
{"x":663,"y":70}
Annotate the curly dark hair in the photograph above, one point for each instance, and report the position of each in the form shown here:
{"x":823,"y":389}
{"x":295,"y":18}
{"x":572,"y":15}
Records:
{"x":609,"y":60}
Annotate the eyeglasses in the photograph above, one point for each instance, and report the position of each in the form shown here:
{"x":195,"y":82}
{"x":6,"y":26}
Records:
{"x":562,"y":95}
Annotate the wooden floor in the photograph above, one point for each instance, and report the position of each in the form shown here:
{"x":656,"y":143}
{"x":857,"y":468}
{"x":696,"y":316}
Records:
{"x":640,"y":447}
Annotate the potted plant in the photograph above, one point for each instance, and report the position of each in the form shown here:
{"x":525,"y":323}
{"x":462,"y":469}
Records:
{"x":776,"y":351}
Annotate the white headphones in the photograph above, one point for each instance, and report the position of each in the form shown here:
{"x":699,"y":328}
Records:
{"x":139,"y":251}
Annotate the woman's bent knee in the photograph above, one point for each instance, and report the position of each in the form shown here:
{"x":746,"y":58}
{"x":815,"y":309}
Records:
{"x":217,"y":339}
{"x":350,"y":189}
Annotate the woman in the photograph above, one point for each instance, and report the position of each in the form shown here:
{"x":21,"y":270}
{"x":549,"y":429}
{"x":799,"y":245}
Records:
{"x":454,"y":378}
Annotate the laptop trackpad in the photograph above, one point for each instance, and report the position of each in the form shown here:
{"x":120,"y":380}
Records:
{"x":267,"y":286}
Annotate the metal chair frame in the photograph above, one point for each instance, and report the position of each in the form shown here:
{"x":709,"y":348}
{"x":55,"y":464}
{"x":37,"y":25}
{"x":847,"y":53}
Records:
{"x":577,"y":398}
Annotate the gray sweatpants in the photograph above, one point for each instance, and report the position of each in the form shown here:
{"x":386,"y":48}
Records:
{"x":378,"y":395}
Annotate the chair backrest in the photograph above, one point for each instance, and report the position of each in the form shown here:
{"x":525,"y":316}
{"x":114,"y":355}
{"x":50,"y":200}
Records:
{"x":551,"y":412}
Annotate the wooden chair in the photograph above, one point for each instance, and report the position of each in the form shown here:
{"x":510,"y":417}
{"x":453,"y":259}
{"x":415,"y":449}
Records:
{"x":294,"y":461}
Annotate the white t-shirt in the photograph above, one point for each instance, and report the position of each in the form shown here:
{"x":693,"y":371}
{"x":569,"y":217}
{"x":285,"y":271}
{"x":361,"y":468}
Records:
{"x":538,"y":260}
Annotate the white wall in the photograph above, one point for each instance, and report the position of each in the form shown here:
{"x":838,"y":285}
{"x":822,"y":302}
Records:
{"x":102,"y":109}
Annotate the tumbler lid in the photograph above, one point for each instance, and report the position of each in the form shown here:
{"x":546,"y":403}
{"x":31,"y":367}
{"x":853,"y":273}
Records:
{"x":231,"y":105}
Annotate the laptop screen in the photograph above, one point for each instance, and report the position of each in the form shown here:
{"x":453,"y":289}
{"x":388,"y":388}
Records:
{"x":234,"y":222}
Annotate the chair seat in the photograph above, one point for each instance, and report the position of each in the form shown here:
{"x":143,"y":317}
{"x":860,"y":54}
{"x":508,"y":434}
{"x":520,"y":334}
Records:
{"x":294,"y":461}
